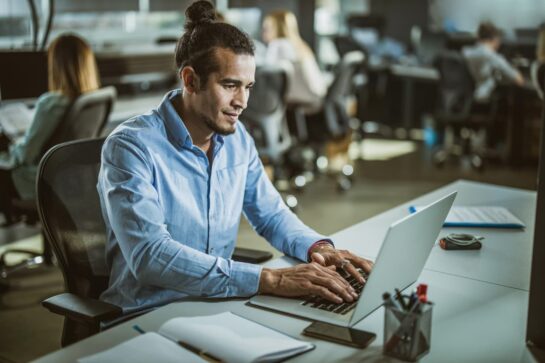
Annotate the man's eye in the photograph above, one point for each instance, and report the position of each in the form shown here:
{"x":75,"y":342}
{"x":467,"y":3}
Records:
{"x":230,"y":86}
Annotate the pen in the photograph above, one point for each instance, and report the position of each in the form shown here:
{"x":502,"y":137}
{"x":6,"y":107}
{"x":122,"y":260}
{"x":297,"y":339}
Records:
{"x":206,"y":356}
{"x":138,"y":329}
{"x":400,"y":299}
{"x":388,"y":301}
{"x":201,"y":353}
{"x":422,"y":289}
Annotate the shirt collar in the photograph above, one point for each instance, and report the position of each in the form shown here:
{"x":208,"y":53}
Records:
{"x":176,"y":128}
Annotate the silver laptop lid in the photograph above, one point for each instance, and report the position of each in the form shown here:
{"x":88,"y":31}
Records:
{"x":403,"y":254}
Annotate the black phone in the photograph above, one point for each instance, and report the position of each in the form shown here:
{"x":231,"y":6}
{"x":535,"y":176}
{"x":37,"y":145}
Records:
{"x":339,"y":334}
{"x":251,"y":256}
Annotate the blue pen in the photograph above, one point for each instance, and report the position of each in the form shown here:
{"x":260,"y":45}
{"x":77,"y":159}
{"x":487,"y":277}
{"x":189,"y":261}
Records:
{"x":138,"y":329}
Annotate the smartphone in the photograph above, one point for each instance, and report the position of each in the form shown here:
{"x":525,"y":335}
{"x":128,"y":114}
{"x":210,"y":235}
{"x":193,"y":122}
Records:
{"x":339,"y":334}
{"x":250,"y":256}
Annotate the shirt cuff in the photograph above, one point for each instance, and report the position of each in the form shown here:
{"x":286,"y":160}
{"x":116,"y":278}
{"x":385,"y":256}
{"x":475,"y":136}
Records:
{"x":317,"y":243}
{"x":244,"y":278}
{"x":301,"y":245}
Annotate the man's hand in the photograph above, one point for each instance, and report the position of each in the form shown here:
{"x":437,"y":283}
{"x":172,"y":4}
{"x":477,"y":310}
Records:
{"x":327,"y":255}
{"x":306,"y":279}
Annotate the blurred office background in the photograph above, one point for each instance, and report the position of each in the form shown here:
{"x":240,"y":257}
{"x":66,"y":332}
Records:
{"x":393,"y":134}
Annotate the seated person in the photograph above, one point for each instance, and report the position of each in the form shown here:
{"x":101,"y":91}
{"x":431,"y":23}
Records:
{"x":72,"y":71}
{"x":284,"y":44}
{"x":487,"y":66}
{"x":173,"y":184}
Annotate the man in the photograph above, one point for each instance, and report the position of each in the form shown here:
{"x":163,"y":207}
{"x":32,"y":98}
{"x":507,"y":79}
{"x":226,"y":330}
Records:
{"x":174,"y":182}
{"x":486,"y":65}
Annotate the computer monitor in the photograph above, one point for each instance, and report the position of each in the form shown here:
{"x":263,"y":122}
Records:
{"x":535,"y":331}
{"x":23,"y":74}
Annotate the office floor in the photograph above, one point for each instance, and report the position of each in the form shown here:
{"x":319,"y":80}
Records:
{"x":30,"y":331}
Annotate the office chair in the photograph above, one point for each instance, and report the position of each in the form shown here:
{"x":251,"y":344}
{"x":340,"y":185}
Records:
{"x":332,"y":121}
{"x":85,"y":118}
{"x":265,"y":119}
{"x":537,"y":73}
{"x":457,"y":114}
{"x":428,"y":45}
{"x":265,"y":115}
{"x":71,"y":217}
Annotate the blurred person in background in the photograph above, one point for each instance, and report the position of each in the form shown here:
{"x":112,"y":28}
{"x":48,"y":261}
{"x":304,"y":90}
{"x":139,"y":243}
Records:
{"x":285,"y":46}
{"x":72,"y":71}
{"x":487,"y":66}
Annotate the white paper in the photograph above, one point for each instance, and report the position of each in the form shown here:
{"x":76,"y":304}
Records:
{"x":233,"y":338}
{"x":15,"y":118}
{"x":481,"y":215}
{"x":146,"y":348}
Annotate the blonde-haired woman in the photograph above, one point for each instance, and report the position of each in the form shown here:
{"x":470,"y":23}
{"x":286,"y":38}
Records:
{"x":72,"y":71}
{"x":284,"y":44}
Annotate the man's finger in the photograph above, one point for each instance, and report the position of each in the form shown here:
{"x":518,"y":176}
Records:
{"x":334,"y":287}
{"x":364,"y":264}
{"x":318,"y":258}
{"x":352,"y":270}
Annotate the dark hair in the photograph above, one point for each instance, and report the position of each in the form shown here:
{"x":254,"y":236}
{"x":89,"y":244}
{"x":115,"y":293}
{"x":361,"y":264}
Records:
{"x":203,"y":34}
{"x":488,"y":31}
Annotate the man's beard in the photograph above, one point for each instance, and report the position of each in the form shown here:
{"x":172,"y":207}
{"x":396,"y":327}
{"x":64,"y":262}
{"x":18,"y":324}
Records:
{"x":217,"y":128}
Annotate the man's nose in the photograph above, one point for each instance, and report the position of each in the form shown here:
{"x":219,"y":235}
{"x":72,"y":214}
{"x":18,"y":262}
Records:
{"x":241,"y":98}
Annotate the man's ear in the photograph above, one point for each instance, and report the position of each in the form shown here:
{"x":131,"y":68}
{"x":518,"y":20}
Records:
{"x":190,"y":79}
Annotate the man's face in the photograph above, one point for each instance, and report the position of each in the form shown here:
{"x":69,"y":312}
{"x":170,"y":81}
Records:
{"x":225,"y":95}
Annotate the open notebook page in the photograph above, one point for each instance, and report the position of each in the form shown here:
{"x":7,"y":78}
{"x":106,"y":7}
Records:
{"x":233,"y":338}
{"x":146,"y":348}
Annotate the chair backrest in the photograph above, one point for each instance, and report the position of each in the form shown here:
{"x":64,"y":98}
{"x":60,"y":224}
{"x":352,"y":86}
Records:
{"x":265,"y":116}
{"x":69,"y":209}
{"x":538,"y":77}
{"x":85,"y":118}
{"x":456,"y":85}
{"x":336,"y":117}
{"x":430,"y":45}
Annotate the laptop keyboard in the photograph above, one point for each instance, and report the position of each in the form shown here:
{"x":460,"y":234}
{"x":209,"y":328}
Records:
{"x":338,"y":308}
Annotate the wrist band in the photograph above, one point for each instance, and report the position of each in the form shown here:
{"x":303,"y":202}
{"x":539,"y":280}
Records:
{"x":316,"y":244}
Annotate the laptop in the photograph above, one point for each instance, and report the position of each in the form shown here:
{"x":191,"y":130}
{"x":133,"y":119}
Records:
{"x":400,"y":261}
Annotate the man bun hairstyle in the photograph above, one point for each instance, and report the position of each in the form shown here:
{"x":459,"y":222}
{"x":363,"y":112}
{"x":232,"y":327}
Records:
{"x":199,"y":13}
{"x":203,"y":34}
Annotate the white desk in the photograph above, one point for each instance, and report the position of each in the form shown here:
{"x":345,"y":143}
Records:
{"x":473,"y":320}
{"x":505,"y":258}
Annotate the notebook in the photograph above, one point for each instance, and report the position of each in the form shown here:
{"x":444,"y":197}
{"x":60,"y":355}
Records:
{"x":222,"y":337}
{"x":479,"y":217}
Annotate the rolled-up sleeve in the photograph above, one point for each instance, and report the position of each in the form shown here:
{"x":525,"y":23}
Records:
{"x":136,"y":217}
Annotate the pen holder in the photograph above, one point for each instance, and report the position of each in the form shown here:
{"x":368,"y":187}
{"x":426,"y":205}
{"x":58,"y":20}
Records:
{"x":407,"y":334}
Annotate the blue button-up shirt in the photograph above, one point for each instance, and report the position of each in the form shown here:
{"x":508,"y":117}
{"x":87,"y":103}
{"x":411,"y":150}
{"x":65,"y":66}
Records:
{"x":172,"y":216}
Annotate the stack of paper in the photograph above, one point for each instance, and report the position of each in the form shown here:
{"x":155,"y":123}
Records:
{"x":479,"y":216}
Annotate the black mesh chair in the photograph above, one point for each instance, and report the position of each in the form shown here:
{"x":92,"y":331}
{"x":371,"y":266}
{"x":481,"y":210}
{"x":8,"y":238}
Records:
{"x":265,"y":116}
{"x":538,"y":77}
{"x":85,"y":118}
{"x":265,"y":119}
{"x":461,"y":120}
{"x":69,"y":209}
{"x":332,"y":121}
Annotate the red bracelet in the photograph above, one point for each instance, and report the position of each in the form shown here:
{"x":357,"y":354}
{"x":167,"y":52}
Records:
{"x":316,"y":244}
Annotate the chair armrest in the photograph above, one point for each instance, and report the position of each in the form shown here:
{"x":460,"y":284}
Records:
{"x":80,"y":308}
